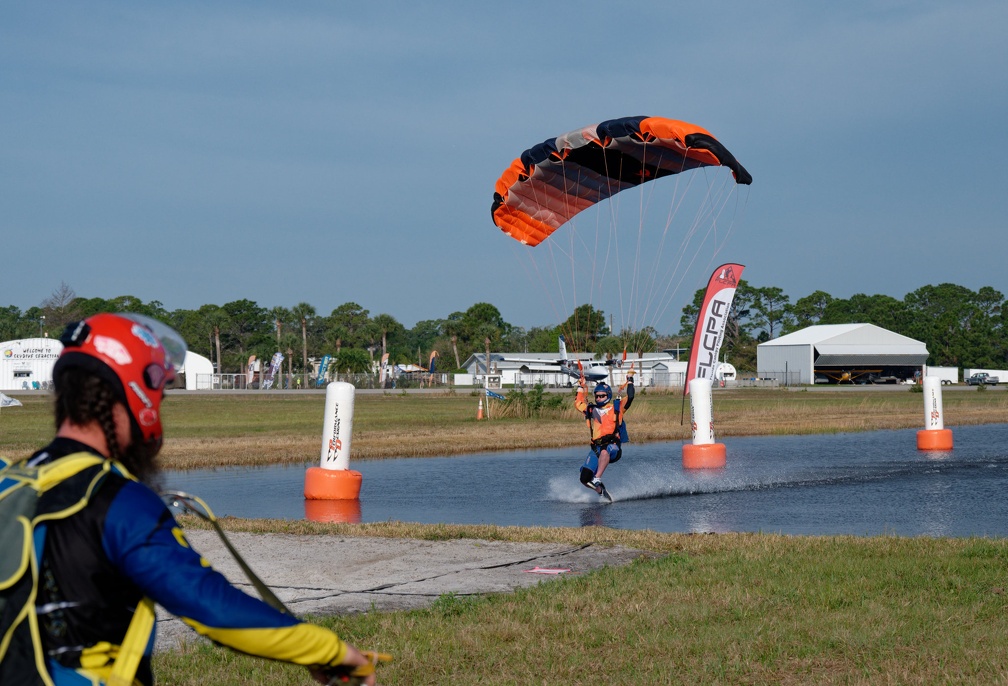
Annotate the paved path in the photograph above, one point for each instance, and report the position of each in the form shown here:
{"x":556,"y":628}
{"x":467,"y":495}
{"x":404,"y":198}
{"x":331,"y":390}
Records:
{"x":339,"y":575}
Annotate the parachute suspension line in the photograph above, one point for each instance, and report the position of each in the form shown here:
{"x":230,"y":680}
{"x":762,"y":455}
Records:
{"x":669,"y":292}
{"x":675,"y":266}
{"x":635,"y":284}
{"x":527,"y":259}
{"x":714,"y":222}
{"x":710,"y":210}
{"x":653,"y":276}
{"x":554,"y":273}
{"x":613,"y":234}
{"x":656,"y":276}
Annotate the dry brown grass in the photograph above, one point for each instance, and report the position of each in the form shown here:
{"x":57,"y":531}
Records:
{"x":212,"y":430}
{"x":419,"y":426}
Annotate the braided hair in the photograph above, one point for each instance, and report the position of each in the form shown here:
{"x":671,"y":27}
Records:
{"x":82,"y":398}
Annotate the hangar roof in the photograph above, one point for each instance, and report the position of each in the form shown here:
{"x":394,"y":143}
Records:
{"x":845,"y":344}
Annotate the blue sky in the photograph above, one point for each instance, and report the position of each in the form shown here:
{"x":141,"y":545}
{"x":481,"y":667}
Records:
{"x":333,"y":151}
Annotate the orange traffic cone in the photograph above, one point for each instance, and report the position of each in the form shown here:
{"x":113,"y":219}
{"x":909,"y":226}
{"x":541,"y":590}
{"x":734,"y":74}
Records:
{"x":479,"y":413}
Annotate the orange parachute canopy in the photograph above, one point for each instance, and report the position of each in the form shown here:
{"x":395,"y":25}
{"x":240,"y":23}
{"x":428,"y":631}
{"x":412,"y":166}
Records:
{"x":553,"y":181}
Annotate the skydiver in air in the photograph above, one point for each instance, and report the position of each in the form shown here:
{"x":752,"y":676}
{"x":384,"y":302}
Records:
{"x":608,"y":432}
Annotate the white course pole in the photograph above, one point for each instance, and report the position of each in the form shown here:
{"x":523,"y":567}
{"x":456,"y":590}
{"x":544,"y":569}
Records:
{"x":704,"y":452}
{"x":934,"y":435}
{"x":337,"y":427}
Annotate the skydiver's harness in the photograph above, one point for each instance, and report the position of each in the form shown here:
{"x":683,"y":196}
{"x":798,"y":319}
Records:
{"x":617,"y":437}
{"x":30,"y":497}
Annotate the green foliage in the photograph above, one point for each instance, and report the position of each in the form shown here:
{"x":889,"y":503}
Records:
{"x":584,"y":328}
{"x":533,"y":403}
{"x":353,"y":361}
{"x":454,"y":605}
{"x":960,"y":327}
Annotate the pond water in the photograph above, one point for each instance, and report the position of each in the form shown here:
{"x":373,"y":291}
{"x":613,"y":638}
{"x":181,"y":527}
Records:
{"x":857,"y":483}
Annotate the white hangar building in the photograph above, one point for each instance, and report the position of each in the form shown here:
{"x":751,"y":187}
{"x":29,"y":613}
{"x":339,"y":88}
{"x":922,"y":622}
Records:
{"x":841,"y":353}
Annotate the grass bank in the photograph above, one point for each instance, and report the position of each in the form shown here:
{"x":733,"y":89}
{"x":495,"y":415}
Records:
{"x":207,"y":430}
{"x":709,"y":609}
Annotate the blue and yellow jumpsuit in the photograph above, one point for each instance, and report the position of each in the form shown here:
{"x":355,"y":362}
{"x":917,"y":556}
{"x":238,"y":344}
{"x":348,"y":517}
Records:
{"x":98,"y":564}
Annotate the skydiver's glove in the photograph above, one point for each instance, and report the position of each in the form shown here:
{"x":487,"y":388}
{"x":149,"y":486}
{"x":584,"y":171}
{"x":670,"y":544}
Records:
{"x":351,"y":675}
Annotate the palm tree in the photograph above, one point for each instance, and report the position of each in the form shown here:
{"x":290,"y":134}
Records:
{"x":280,"y":315}
{"x":303,"y":312}
{"x":387,"y":324}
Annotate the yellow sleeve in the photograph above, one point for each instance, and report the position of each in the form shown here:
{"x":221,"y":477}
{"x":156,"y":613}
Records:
{"x":302,"y":644}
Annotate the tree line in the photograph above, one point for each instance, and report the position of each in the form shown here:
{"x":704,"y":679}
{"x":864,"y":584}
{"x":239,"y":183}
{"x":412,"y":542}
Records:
{"x":960,"y":327}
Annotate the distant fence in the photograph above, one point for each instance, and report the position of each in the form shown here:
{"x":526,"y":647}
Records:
{"x":658,"y":380}
{"x":217,"y":382}
{"x":788,"y":378}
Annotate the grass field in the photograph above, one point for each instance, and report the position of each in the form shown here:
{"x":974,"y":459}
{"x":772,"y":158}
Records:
{"x":704,"y":609}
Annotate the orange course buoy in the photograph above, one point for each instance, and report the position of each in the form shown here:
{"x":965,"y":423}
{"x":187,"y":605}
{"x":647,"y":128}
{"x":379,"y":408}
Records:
{"x":332,"y":484}
{"x":704,"y":455}
{"x":934,"y":439}
{"x":333,"y":479}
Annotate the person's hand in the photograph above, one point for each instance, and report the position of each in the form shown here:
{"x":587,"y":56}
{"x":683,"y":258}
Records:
{"x":357,"y":667}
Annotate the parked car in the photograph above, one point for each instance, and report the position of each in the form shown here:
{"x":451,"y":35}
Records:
{"x":982,"y":379}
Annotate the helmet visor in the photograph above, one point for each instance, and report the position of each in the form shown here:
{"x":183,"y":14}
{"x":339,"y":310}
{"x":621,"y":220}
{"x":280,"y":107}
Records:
{"x":174,"y":345}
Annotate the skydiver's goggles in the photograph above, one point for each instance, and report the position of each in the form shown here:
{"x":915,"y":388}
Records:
{"x":601,"y":396}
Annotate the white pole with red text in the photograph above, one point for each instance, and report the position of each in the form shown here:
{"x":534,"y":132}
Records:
{"x":934,"y":435}
{"x":703,"y":452}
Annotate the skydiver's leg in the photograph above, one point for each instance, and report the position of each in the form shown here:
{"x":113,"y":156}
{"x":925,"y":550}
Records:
{"x":603,"y":461}
{"x":588,"y":468}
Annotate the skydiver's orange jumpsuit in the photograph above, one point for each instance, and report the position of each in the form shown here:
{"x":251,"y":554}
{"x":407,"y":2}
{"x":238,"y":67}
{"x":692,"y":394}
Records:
{"x":603,"y":422}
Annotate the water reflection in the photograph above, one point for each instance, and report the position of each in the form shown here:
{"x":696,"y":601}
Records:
{"x":859,"y":484}
{"x":334,"y":511}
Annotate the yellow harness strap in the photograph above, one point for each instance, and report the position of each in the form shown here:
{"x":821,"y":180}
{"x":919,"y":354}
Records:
{"x":134,"y":644}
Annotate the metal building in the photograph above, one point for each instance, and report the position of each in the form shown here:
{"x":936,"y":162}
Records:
{"x":841,"y":353}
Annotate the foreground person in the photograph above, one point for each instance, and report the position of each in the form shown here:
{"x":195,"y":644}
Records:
{"x":102,"y":567}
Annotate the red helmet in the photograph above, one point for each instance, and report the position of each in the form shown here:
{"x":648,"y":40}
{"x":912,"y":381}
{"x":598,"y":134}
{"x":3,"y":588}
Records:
{"x":135,"y":354}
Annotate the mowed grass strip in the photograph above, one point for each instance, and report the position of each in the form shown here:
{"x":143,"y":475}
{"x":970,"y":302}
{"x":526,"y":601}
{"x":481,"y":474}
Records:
{"x":710,"y":609}
{"x":259,"y":428}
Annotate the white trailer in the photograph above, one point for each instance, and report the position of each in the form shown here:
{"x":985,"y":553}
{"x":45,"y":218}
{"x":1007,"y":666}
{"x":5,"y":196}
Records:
{"x":948,"y":375}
